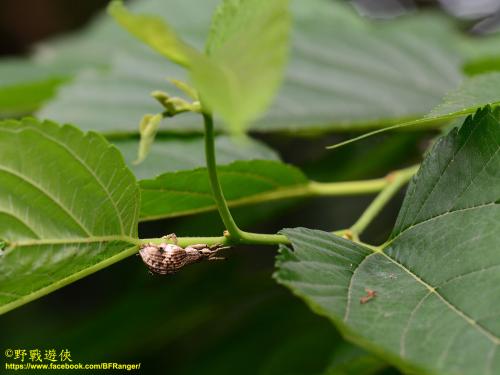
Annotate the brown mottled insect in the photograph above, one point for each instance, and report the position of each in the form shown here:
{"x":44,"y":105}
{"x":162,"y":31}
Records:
{"x":167,"y":258}
{"x":370,"y":294}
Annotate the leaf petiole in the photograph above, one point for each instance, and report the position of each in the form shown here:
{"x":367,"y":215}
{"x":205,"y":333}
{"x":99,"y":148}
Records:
{"x":395,"y":181}
{"x":235,"y":233}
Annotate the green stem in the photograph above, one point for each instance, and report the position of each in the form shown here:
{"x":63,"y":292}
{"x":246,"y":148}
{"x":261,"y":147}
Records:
{"x":188,"y":241}
{"x":395,"y":181}
{"x":246,"y":238}
{"x":314,"y":188}
{"x":235,"y":233}
{"x":309,"y":189}
{"x":250,"y":238}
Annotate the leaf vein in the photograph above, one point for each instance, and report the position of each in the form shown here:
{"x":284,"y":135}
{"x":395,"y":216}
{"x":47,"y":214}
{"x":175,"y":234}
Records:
{"x":490,"y":335}
{"x":48,"y":195}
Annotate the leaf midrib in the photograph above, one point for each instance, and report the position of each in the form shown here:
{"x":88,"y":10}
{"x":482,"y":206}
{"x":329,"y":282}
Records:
{"x":490,"y":335}
{"x":92,"y":172}
{"x":432,"y":290}
{"x":62,"y":241}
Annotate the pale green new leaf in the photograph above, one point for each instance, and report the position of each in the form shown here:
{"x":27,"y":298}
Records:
{"x":247,"y":48}
{"x":247,"y":52}
{"x":147,"y":129}
{"x":68,"y":207}
{"x":243,"y":182}
{"x":437,"y":279}
{"x":154,"y":32}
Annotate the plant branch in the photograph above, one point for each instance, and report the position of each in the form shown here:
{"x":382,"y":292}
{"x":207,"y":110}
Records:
{"x":395,"y":181}
{"x":246,"y":239}
{"x":388,"y":186}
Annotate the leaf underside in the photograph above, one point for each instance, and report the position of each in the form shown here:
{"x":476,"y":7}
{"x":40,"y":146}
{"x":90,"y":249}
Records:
{"x":68,"y":207}
{"x":344,"y":72}
{"x":437,"y":280}
{"x":178,"y":154}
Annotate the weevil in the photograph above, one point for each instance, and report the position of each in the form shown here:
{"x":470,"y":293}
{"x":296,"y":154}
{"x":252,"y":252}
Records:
{"x":168,"y":258}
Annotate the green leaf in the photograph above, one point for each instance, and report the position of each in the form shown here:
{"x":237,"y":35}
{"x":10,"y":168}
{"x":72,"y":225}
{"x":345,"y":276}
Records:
{"x":154,"y":32}
{"x":247,"y":49}
{"x":116,"y":101}
{"x":247,"y":52}
{"x":482,"y":65}
{"x":91,"y":49}
{"x":436,"y":280}
{"x":68,"y":207}
{"x":472,"y":94}
{"x":188,"y":192}
{"x":26,"y":98}
{"x":176,"y":154}
{"x":481,"y":57}
{"x":25,"y":86}
{"x":345,"y":72}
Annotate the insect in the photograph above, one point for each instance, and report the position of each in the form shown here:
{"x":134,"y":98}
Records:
{"x":167,"y":258}
{"x":370,"y":294}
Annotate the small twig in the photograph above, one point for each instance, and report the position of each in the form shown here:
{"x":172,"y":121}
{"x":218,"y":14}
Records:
{"x":395,"y":181}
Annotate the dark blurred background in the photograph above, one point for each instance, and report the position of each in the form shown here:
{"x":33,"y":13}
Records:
{"x":24,"y":22}
{"x":215,"y":318}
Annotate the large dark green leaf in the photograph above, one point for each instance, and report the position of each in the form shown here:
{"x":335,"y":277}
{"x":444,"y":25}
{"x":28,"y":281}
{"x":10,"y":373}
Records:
{"x":345,"y":72}
{"x":436,"y":280}
{"x":472,"y":94}
{"x":68,"y":207}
